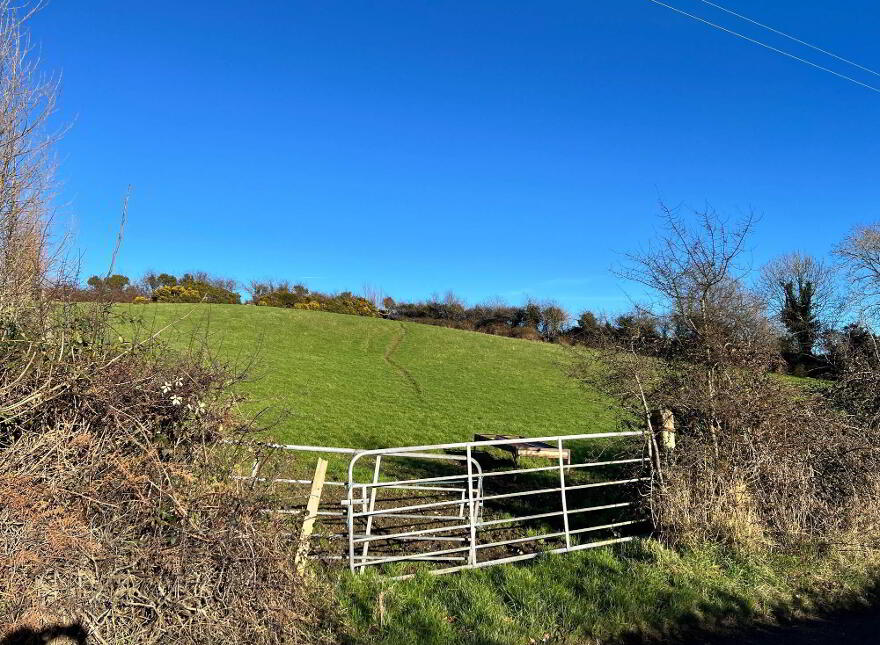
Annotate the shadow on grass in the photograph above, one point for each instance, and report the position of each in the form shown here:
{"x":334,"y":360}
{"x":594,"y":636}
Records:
{"x":811,"y":618}
{"x":72,"y":633}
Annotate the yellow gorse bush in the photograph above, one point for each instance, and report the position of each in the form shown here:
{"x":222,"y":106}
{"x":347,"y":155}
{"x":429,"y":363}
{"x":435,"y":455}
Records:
{"x":176,"y":294}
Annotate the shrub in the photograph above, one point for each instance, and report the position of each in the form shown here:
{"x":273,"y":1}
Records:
{"x":190,"y":291}
{"x":298,"y":297}
{"x":526,"y":333}
{"x":176,"y":294}
{"x":346,"y":303}
{"x":117,"y":515}
{"x":114,"y":494}
{"x":211,"y":292}
{"x":757,"y":462}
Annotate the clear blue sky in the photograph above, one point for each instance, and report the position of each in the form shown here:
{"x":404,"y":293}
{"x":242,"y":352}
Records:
{"x":494,"y":148}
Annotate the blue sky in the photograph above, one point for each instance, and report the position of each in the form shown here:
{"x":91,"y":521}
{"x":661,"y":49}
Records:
{"x":493,"y":148}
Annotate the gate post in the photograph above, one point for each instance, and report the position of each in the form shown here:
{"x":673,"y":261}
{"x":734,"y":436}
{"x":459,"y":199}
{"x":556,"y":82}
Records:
{"x":664,"y":426}
{"x":350,"y":506}
{"x":564,"y":500}
{"x":472,"y":520}
{"x":372,"y":506}
{"x":311,"y":514}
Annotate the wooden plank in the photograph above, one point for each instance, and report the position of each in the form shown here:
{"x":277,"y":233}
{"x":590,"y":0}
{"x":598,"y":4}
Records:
{"x":311,"y":514}
{"x":526,"y":448}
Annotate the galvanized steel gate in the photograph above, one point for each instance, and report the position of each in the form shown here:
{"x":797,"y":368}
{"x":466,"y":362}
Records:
{"x":474,"y":509}
{"x":460,"y":516}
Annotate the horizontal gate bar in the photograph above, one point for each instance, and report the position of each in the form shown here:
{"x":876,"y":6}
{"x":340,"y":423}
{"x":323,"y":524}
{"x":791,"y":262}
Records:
{"x":293,"y":511}
{"x":401,"y":558}
{"x":281,"y":480}
{"x":600,"y":484}
{"x":416,"y":557}
{"x":441,"y":529}
{"x":519,"y":558}
{"x":544,"y":491}
{"x":500,"y":442}
{"x":530,"y":538}
{"x":446,"y":529}
{"x":497,"y":544}
{"x":417,"y":517}
{"x":517,"y":471}
{"x":553,"y":514}
{"x":588,"y":464}
{"x":438,"y":538}
{"x":454,"y":502}
{"x":308,"y":482}
{"x":546,"y":536}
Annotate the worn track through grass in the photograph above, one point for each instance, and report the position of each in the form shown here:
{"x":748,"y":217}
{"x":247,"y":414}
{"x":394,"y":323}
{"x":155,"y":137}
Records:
{"x":389,"y":352}
{"x":324,"y":378}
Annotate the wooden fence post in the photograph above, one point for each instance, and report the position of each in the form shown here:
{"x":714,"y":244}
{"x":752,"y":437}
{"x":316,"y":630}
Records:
{"x":311,"y":514}
{"x":664,"y":426}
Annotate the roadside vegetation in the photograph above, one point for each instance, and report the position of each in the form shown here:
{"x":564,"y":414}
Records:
{"x":118,"y":522}
{"x":640,"y":592}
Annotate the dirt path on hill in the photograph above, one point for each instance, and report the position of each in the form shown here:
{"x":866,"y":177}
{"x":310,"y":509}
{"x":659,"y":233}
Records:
{"x":388,"y":356}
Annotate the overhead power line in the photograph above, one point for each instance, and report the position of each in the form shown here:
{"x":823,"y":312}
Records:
{"x":790,"y":37}
{"x":766,"y":46}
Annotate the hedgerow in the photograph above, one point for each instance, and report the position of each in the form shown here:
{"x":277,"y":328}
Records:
{"x":299,"y":297}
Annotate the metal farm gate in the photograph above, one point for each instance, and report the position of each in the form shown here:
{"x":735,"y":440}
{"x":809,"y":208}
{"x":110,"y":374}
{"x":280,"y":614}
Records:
{"x":478,"y":503}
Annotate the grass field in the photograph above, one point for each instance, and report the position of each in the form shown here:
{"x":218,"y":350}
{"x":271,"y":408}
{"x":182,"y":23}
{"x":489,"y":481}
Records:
{"x":358,"y":382}
{"x":330,"y":379}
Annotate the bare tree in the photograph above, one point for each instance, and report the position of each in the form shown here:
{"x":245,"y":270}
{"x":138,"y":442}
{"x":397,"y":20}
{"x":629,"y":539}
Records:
{"x":258,"y":288}
{"x":553,"y":320}
{"x":800,"y":269}
{"x":696,"y":273}
{"x":229,"y":284}
{"x":27,"y":164}
{"x":372,"y":293}
{"x":701,"y":352}
{"x":800,"y":293}
{"x":860,"y":257}
{"x":452,"y":299}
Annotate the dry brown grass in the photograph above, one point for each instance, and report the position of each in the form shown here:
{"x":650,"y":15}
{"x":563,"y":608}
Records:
{"x":119,"y":516}
{"x":758,"y":462}
{"x":118,"y":521}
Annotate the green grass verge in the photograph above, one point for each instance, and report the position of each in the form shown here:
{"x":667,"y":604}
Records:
{"x":604,"y":595}
{"x":369,"y":383}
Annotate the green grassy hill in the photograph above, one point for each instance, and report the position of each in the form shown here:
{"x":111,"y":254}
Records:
{"x":359,"y":382}
{"x":332,"y":379}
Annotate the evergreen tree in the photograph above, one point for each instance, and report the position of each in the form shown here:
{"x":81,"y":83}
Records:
{"x":799,"y":316}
